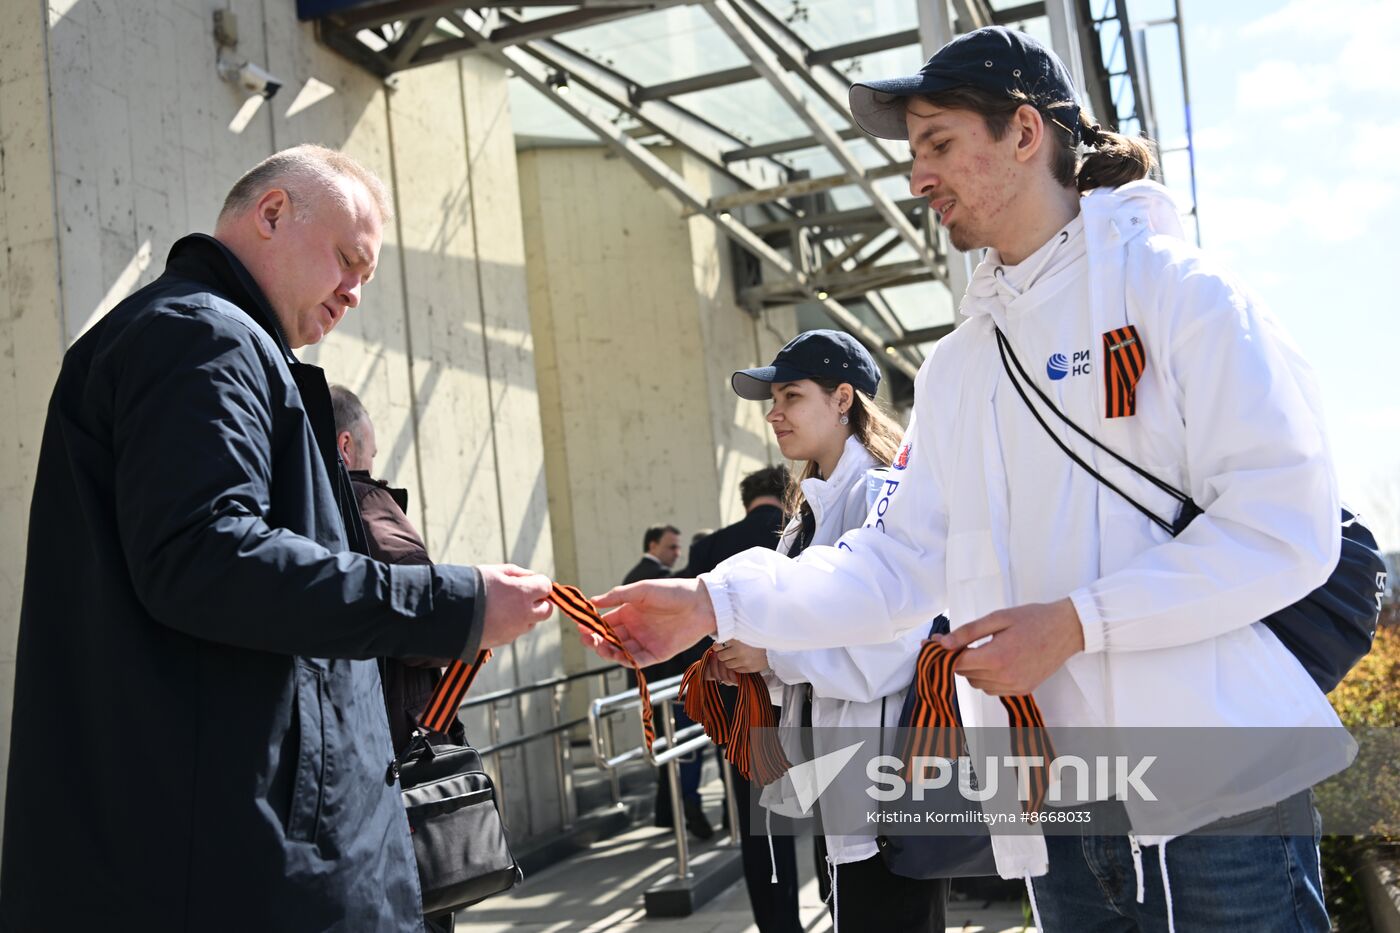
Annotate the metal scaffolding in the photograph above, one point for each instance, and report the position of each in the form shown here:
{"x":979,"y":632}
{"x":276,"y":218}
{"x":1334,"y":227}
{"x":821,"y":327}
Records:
{"x":805,"y":247}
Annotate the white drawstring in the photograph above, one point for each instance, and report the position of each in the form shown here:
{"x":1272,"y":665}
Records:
{"x":772,"y":861}
{"x":1166,"y":886}
{"x":1137,"y":866}
{"x":1035,"y":908}
{"x":1000,"y":273}
{"x":833,"y":896}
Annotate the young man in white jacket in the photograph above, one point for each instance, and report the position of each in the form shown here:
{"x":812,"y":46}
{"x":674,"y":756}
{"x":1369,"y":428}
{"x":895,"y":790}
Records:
{"x":1108,"y":619}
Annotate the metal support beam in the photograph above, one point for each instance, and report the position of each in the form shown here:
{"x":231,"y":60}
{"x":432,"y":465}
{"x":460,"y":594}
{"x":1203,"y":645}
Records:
{"x":785,"y":145}
{"x":838,"y":220}
{"x":830,"y":85}
{"x":693,"y":134}
{"x":1064,"y":39}
{"x":703,"y":82}
{"x":923,"y":335}
{"x":530,"y":70}
{"x":854,"y":281}
{"x":725,"y":15}
{"x":838,"y":53}
{"x":804,"y":186}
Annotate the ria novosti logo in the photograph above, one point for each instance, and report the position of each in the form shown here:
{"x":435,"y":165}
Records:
{"x":1059,"y":366}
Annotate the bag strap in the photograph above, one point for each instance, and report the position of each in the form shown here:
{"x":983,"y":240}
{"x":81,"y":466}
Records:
{"x":1188,"y":510}
{"x":447,"y":695}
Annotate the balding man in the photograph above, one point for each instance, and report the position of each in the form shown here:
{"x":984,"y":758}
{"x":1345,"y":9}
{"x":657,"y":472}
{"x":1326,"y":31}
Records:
{"x":197,"y":740}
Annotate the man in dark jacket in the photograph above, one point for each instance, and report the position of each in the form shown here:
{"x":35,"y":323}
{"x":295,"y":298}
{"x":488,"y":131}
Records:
{"x":661,"y":548}
{"x":391,"y":537}
{"x":195,"y":744}
{"x":774,"y":905}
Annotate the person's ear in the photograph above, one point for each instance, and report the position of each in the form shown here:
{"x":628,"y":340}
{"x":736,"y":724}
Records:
{"x":844,"y":397}
{"x":273,"y":208}
{"x":1028,"y":129}
{"x":344,"y":442}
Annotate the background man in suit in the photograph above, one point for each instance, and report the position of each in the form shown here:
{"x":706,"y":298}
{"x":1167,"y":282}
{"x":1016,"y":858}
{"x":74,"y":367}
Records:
{"x":661,"y":548}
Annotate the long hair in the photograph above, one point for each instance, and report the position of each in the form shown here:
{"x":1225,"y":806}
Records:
{"x":877,"y":432}
{"x":1113,"y":160}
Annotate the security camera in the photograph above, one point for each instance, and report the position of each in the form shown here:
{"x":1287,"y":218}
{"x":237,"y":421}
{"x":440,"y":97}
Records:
{"x":253,"y":77}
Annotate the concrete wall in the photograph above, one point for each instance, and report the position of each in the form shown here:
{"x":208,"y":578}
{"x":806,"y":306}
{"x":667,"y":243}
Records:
{"x":32,"y":336}
{"x":636,"y":335}
{"x":119,"y":138}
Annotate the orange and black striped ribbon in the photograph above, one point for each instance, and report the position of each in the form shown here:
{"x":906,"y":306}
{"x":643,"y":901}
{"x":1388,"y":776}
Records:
{"x":1125,"y":360}
{"x":580,"y":609}
{"x":447,"y":696}
{"x":935,"y":729}
{"x":757,"y":756}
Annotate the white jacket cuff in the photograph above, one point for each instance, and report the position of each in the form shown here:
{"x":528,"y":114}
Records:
{"x":723,"y":602}
{"x":1089,"y":619}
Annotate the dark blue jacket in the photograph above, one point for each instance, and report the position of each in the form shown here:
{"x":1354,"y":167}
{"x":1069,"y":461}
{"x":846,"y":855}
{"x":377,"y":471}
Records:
{"x":197,"y":740}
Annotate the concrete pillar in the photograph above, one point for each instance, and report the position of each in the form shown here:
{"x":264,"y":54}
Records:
{"x":32,"y":336}
{"x":636,"y":334}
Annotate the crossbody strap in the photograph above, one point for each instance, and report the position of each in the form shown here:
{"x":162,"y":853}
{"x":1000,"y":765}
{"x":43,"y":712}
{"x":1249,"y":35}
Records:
{"x":447,"y":695}
{"x":1188,"y":509}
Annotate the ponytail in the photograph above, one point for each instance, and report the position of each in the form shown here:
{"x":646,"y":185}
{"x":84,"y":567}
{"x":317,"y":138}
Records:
{"x":1113,"y":159}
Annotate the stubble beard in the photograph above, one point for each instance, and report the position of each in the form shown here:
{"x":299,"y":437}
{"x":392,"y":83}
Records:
{"x":964,"y":240}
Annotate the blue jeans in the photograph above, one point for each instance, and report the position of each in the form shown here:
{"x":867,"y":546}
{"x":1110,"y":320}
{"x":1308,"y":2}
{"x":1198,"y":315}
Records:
{"x":1219,"y":883}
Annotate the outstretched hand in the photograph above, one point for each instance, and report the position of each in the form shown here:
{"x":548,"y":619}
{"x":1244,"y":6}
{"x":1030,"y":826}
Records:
{"x":655,"y":620}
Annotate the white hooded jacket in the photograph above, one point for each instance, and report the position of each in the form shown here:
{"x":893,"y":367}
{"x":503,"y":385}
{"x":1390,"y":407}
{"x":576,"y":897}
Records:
{"x":1227,"y":410}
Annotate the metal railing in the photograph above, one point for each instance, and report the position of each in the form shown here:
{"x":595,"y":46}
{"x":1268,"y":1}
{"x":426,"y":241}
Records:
{"x":670,"y":746}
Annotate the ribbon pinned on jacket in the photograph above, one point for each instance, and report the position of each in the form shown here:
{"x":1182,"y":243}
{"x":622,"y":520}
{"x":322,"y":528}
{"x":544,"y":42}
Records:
{"x":935,"y":726}
{"x":762,"y":760}
{"x":580,"y":610}
{"x":1124,"y":363}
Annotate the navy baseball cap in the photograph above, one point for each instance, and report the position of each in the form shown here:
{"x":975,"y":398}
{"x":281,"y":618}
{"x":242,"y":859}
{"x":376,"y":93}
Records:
{"x":993,"y":59}
{"x":816,"y":354}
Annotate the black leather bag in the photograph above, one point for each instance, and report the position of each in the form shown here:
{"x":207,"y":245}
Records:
{"x":1331,"y":628}
{"x":459,"y":838}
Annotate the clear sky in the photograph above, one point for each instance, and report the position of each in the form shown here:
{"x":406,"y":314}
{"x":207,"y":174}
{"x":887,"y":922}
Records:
{"x":1296,"y":109}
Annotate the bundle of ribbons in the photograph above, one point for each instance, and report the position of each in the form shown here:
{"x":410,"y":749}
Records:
{"x":758,"y":756}
{"x":935,"y":729}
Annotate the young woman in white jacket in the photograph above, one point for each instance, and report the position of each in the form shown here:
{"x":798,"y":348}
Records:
{"x":822,"y":386}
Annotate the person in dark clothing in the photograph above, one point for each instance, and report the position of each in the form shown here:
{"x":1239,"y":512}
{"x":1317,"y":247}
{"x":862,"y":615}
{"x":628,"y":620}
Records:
{"x":774,"y":905}
{"x":408,"y":682}
{"x":661,"y":548}
{"x":198,"y":607}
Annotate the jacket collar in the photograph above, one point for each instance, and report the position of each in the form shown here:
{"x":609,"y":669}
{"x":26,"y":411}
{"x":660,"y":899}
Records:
{"x":400,"y":496}
{"x":204,"y":259}
{"x":822,"y":493}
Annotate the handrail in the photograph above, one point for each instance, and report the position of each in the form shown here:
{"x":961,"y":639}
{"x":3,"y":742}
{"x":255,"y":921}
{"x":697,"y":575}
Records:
{"x":669,"y":746}
{"x":511,"y":692}
{"x":690,"y":739}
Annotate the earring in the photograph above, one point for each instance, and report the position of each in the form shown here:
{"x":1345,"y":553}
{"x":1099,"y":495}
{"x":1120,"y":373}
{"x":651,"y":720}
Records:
{"x":844,"y":419}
